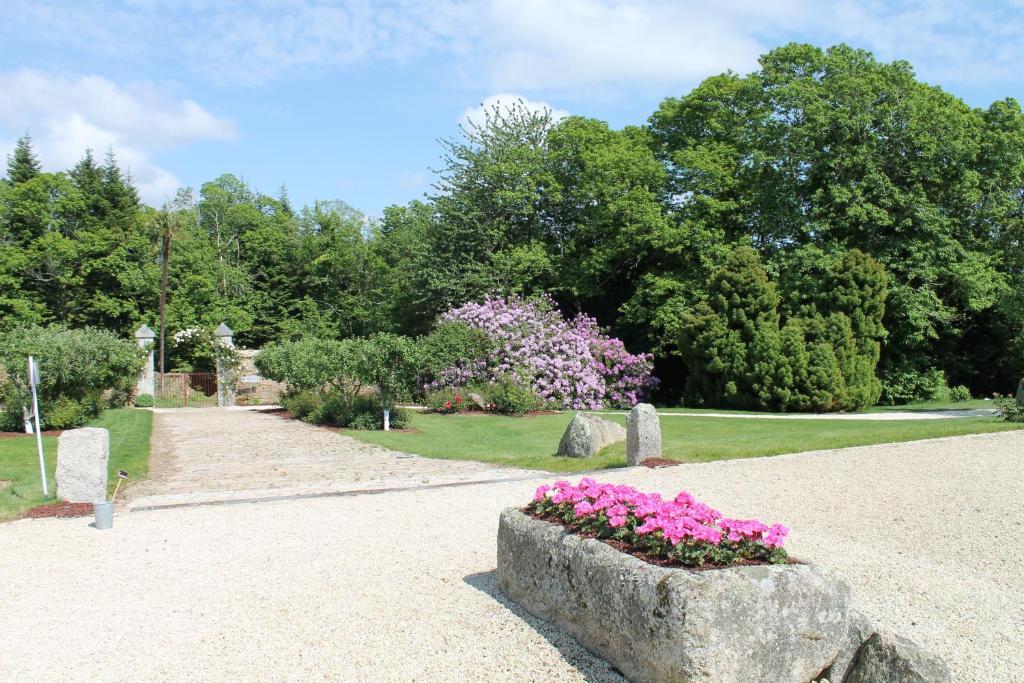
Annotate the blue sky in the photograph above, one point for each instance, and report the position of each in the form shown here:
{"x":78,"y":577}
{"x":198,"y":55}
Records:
{"x":346,"y":100}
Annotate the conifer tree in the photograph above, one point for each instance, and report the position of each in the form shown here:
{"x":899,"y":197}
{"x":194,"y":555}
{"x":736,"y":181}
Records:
{"x":22,"y":164}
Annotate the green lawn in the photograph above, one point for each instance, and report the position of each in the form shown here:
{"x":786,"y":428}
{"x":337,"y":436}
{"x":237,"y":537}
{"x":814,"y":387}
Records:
{"x":973,"y":404}
{"x":531,"y":441}
{"x":19,"y":461}
{"x":928,"y":406}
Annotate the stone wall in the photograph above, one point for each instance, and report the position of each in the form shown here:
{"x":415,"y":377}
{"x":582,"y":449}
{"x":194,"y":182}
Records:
{"x":252,"y":388}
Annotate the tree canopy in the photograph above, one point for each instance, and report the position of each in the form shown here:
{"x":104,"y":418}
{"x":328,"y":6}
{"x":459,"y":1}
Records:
{"x":828,"y":209}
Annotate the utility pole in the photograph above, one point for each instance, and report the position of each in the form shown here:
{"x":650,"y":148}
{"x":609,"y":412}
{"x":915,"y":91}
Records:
{"x":165,"y":239}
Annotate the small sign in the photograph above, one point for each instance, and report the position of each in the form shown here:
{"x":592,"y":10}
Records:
{"x":251,"y":379}
{"x":121,"y":474}
{"x":33,"y":372}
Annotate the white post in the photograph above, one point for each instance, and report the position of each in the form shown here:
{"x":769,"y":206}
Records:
{"x":33,"y":380}
{"x":387,"y":420}
{"x":225,"y":383}
{"x":145,"y":384}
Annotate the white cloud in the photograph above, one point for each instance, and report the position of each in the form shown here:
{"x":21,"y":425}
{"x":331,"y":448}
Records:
{"x":573,"y":46}
{"x":504,"y":101}
{"x":67,"y":114}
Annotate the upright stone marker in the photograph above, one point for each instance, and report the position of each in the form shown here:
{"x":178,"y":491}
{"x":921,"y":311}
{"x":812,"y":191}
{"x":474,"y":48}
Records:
{"x":82,"y":456}
{"x":145,"y":384}
{"x":1020,"y":393}
{"x":643,"y":434}
{"x":226,"y":389}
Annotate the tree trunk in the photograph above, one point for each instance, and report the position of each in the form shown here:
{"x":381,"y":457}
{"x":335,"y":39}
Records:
{"x":165,"y":257}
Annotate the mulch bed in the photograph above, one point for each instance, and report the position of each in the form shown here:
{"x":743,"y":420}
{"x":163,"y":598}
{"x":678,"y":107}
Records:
{"x":659,"y":462}
{"x":14,"y":435}
{"x":61,"y":509}
{"x":650,"y":559}
{"x":287,"y":415}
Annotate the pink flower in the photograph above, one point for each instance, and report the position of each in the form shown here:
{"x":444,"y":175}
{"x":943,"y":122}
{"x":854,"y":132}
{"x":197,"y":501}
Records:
{"x":583,"y":508}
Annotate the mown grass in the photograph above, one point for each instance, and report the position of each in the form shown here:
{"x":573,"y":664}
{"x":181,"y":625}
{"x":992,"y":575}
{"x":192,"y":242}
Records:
{"x":925,"y":406}
{"x":19,"y":462}
{"x":532,"y":441}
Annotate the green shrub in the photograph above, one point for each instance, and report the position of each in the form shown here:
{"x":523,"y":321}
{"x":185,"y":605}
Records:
{"x":910,"y":386}
{"x":387,"y":362}
{"x":64,"y":413}
{"x":741,"y":353}
{"x":451,"y":344}
{"x":1008,"y":409}
{"x":144,"y":401}
{"x":306,"y":364}
{"x":511,"y":398}
{"x":335,"y":408}
{"x":301,"y":403}
{"x":374,"y":419}
{"x":77,"y":365}
{"x":960,"y":393}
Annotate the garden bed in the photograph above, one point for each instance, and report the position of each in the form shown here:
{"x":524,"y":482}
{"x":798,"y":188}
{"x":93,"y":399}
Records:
{"x":625,"y":547}
{"x":60,"y":509}
{"x":656,"y":463}
{"x":15,"y":435}
{"x":784,"y":622}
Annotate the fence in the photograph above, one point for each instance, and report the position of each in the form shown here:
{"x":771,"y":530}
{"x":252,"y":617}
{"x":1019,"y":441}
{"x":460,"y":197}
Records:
{"x":185,"y":390}
{"x":200,"y":389}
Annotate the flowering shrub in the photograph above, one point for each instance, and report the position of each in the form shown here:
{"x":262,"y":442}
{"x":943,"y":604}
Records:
{"x":682,"y":530}
{"x":568,"y":363}
{"x":454,"y":405}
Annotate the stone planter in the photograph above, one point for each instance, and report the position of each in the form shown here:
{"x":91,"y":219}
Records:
{"x":763,"y":623}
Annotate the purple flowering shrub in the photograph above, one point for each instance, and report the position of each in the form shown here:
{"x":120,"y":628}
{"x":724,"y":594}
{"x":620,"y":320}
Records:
{"x":682,"y":530}
{"x":570,"y":363}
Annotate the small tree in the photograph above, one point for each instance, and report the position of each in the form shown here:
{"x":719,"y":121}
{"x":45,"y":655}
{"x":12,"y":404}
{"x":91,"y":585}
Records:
{"x":390,"y":362}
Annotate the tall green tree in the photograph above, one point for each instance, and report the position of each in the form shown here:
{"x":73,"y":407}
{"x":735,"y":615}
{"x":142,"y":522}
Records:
{"x":834,"y":149}
{"x":23,"y":164}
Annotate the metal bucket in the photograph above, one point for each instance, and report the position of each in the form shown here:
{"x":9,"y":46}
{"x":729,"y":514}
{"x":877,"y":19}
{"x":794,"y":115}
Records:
{"x":104,"y":515}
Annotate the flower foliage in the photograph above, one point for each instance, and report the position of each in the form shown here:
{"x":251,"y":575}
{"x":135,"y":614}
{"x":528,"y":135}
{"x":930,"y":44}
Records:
{"x":571,"y":363}
{"x":682,"y":529}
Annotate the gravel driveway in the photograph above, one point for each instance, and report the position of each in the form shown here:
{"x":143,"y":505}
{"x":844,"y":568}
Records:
{"x":400,"y":585}
{"x":203,"y":455}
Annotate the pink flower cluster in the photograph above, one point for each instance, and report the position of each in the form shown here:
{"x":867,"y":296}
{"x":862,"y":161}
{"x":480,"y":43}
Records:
{"x":682,"y":519}
{"x":569,"y":363}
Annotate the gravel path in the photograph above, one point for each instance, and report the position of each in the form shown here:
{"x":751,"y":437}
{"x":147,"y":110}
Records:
{"x":400,"y":585}
{"x":203,"y":455}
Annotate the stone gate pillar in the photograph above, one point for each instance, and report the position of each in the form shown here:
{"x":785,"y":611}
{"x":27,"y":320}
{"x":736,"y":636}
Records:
{"x":226,"y":389}
{"x":145,"y":383}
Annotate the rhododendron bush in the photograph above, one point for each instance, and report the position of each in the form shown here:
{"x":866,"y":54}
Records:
{"x":570,"y":363}
{"x":682,"y":529}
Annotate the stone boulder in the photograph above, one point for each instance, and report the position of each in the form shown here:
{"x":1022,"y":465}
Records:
{"x":780,"y":623}
{"x":587,"y":434}
{"x":476,"y":400}
{"x":643,"y":434}
{"x":1020,"y":393}
{"x":887,"y":658}
{"x":82,"y":456}
{"x":859,"y":629}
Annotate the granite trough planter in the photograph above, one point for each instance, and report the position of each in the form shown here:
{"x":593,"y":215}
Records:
{"x":756,"y":623}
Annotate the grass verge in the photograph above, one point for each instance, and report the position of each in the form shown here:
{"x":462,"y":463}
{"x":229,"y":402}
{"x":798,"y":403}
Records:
{"x":19,"y":462}
{"x":530,"y":442}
